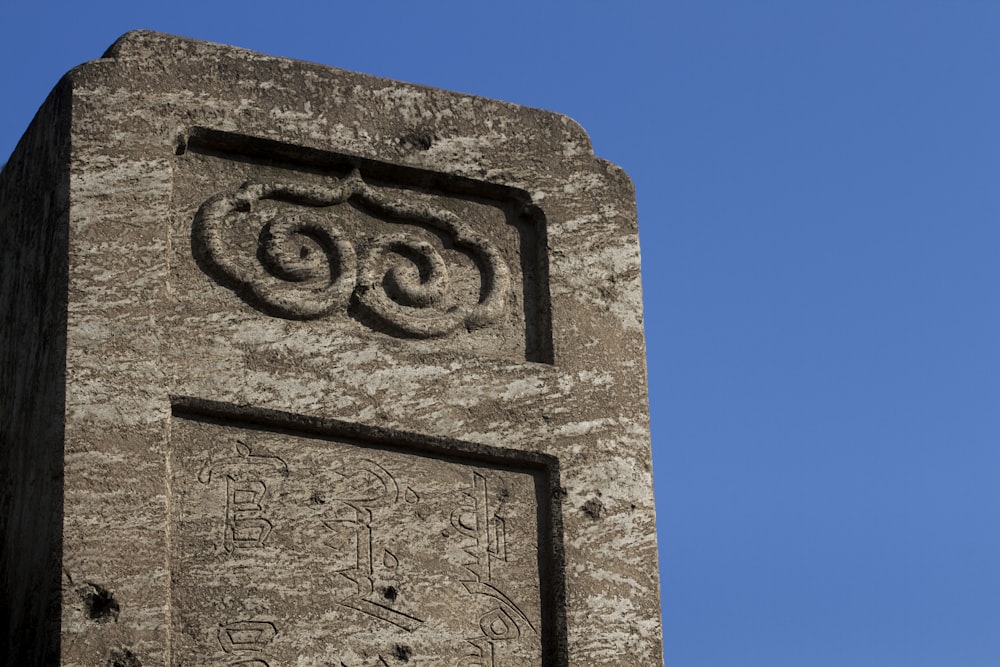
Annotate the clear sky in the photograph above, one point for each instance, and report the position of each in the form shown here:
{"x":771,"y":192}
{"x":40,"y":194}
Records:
{"x":819,"y":206}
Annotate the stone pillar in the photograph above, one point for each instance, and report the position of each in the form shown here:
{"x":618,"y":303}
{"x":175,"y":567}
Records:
{"x":307,"y":367}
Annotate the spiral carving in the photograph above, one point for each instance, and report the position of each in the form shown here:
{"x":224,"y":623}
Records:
{"x":304,"y":266}
{"x":320,"y":281}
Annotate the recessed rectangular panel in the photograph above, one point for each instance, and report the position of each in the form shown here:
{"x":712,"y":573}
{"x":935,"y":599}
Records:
{"x":296,"y":549}
{"x":403,"y":256}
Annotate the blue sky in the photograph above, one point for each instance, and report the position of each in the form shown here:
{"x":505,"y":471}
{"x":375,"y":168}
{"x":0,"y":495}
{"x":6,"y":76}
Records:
{"x":819,"y":198}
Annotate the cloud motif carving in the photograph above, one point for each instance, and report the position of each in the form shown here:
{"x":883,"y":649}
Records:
{"x":305,"y":267}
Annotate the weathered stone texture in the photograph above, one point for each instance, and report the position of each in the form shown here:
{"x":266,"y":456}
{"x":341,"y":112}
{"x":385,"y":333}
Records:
{"x":34,"y":192}
{"x":328,"y":369}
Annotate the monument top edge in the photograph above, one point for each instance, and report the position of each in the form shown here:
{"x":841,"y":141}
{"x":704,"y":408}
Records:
{"x":171,"y":51}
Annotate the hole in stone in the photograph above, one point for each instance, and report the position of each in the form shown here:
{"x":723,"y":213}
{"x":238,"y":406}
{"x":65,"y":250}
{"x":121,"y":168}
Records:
{"x":593,"y":508}
{"x":390,"y":593}
{"x":100,"y":603}
{"x":403,"y":652}
{"x":417,"y":140}
{"x":123,"y":658}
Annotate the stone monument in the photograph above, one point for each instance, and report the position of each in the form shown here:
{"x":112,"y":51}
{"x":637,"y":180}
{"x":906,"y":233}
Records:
{"x":306,"y":367}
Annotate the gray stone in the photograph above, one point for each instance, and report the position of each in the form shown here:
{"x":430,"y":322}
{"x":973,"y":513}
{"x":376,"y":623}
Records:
{"x":306,"y":367}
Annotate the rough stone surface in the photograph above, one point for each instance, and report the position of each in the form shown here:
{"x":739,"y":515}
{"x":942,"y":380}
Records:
{"x":306,"y":367}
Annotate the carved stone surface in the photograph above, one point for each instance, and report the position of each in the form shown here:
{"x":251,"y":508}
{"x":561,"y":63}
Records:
{"x":369,"y":550}
{"x":306,"y":367}
{"x":303,"y":236}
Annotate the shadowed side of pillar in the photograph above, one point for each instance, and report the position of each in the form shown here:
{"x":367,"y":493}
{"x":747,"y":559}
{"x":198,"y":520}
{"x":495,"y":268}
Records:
{"x":34,"y":210}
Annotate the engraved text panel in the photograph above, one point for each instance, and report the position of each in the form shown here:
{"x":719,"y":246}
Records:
{"x":297,"y":550}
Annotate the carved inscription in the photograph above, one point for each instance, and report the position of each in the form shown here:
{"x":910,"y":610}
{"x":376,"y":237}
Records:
{"x":361,"y":493}
{"x":293,"y":548}
{"x":246,"y":526}
{"x":247,"y":637}
{"x":297,"y":261}
{"x":484,"y":525}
